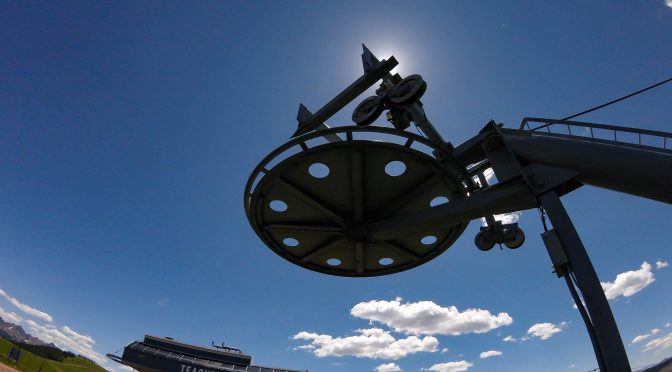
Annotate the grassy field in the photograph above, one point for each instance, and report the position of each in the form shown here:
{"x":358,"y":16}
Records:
{"x":32,"y":363}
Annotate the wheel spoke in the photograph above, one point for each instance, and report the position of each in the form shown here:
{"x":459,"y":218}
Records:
{"x":311,"y":201}
{"x":307,"y":256}
{"x":359,"y":258}
{"x":404,"y":198}
{"x":357,"y":186}
{"x":401,"y":250}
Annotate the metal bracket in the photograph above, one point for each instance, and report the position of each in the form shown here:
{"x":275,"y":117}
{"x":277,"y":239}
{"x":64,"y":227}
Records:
{"x":370,"y":77}
{"x":556,"y":251}
{"x":542,"y":178}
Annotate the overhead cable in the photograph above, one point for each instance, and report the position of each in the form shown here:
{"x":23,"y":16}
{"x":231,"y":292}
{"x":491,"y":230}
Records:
{"x":619,"y":99}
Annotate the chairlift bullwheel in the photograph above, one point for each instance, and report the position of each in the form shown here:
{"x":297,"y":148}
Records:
{"x":517,"y":241}
{"x":368,"y":111}
{"x":483,"y":242}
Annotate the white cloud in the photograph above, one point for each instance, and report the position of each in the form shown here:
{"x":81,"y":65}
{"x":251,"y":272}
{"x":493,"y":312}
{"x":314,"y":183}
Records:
{"x":490,"y":353}
{"x":668,"y":3}
{"x":389,"y":367}
{"x":65,"y":338}
{"x":509,"y":338}
{"x":644,"y":336}
{"x":543,"y":330}
{"x":667,"y":325}
{"x":11,"y":317}
{"x":629,"y":282}
{"x":428,"y":318}
{"x":460,"y":366}
{"x":444,"y":350}
{"x":305,"y":347}
{"x":506,"y":217}
{"x":372,"y":343}
{"x":659,"y":343}
{"x":27,"y":309}
{"x":662,"y":264}
{"x":640,"y":338}
{"x":122,"y":368}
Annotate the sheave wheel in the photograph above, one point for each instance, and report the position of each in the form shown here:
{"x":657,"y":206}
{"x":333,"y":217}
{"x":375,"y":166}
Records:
{"x":368,"y":111}
{"x":483,"y":242}
{"x":518,"y":241}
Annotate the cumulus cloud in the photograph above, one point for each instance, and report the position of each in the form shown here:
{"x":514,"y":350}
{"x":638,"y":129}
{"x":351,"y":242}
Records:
{"x":659,"y":343}
{"x":389,"y":367}
{"x":490,"y":353}
{"x":661,"y":264}
{"x":628,"y":283}
{"x":544,"y":330}
{"x":371,"y":343}
{"x":11,"y":317}
{"x":305,"y":347}
{"x":644,"y":336}
{"x":65,"y":338}
{"x":506,"y":217}
{"x":668,"y":3}
{"x":509,"y":338}
{"x":27,"y":309}
{"x":428,"y":318}
{"x":122,"y":368}
{"x":460,"y":366}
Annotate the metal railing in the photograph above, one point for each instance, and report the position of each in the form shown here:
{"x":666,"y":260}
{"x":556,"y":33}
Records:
{"x":600,"y":132}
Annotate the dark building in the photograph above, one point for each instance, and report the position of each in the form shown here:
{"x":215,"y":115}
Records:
{"x":163,"y":354}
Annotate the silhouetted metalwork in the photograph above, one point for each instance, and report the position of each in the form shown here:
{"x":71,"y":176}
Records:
{"x":365,"y":200}
{"x":226,"y":348}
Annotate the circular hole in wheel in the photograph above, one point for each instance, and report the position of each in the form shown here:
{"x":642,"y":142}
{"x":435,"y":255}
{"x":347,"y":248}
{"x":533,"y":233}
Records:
{"x":278,"y":205}
{"x":318,"y":170}
{"x":333,"y":262}
{"x":395,"y":168}
{"x":438,"y":201}
{"x":386,"y":261}
{"x":428,"y":240}
{"x":290,"y":242}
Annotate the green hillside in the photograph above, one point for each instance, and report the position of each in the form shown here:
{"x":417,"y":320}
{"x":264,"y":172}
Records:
{"x":32,"y":363}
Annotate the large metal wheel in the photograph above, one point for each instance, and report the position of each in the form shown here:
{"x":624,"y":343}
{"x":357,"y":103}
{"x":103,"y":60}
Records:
{"x":483,"y":241}
{"x":408,"y":90}
{"x":517,"y":241}
{"x":314,"y":205}
{"x":368,"y":111}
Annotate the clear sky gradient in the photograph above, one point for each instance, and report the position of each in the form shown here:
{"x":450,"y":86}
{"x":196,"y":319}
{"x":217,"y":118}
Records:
{"x":128,"y":130}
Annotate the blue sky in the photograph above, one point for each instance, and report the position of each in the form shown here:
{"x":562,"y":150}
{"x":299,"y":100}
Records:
{"x":129,"y":130}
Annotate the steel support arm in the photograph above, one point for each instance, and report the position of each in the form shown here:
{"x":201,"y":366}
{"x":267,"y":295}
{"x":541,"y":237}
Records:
{"x":631,"y":169}
{"x":607,"y":337}
{"x":502,"y":198}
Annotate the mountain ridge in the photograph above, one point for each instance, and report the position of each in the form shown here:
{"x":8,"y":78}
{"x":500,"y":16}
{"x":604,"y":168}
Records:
{"x":16,"y":333}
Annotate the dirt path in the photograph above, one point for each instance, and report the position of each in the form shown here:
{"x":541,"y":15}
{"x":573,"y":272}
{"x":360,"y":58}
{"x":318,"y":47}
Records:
{"x":5,"y":368}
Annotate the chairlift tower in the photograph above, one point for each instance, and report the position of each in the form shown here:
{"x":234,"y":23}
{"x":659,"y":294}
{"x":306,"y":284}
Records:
{"x":364,"y":200}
